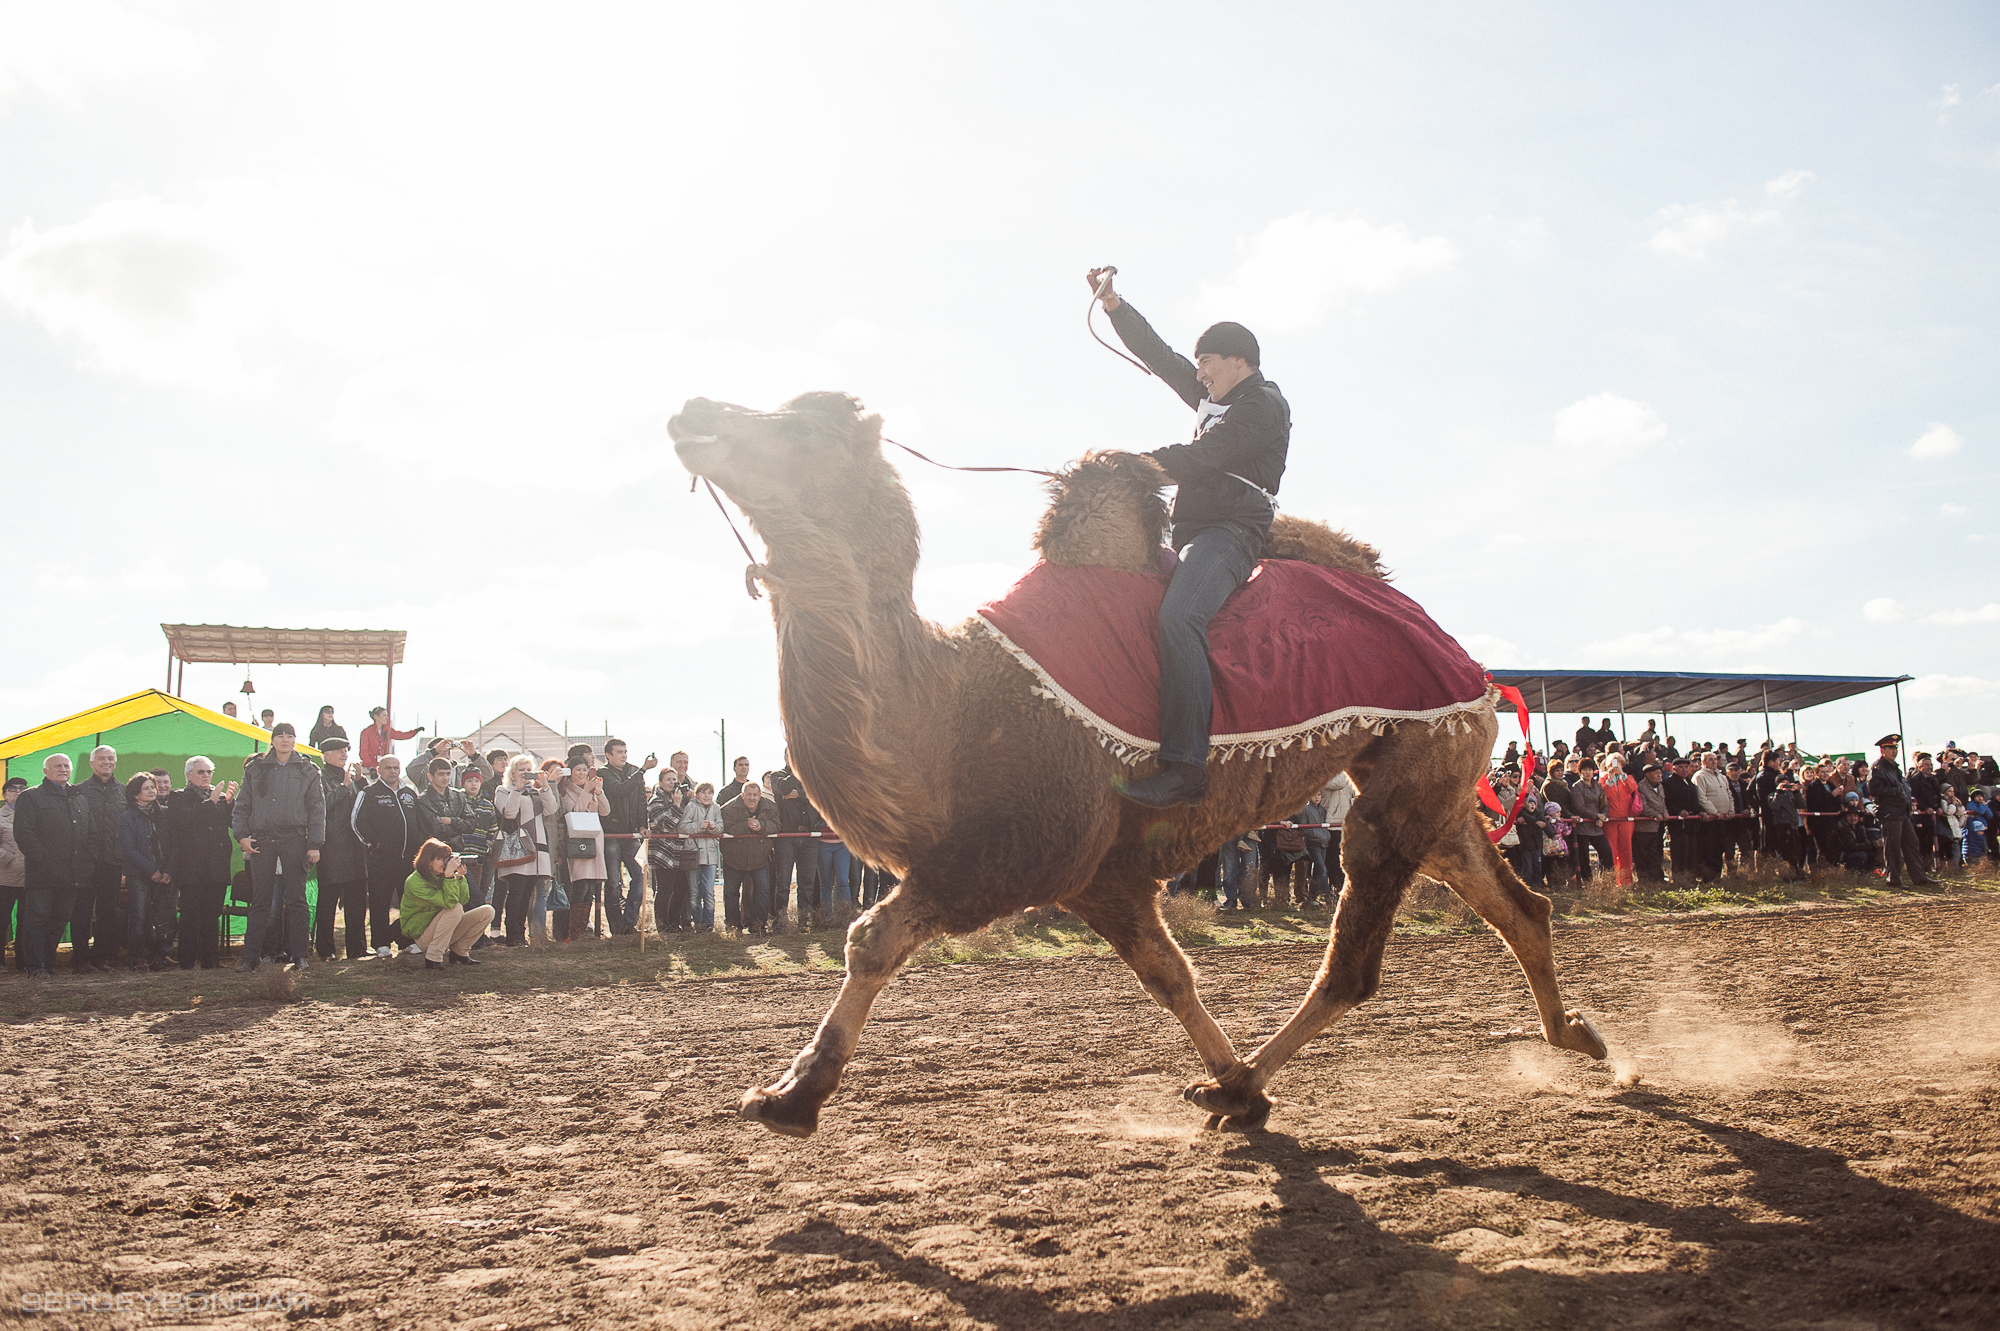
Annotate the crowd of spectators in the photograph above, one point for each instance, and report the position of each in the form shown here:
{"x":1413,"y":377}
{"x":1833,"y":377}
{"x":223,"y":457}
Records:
{"x":460,"y":851}
{"x":1646,"y":811}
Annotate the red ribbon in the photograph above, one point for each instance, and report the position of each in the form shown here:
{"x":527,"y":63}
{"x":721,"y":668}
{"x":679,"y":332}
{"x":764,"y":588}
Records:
{"x":1486,"y":795}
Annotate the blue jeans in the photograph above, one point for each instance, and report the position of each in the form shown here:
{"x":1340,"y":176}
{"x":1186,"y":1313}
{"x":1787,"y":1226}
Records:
{"x":1317,"y":887}
{"x":833,"y":861}
{"x":1234,"y":860}
{"x":1213,"y":565}
{"x":745,"y":894}
{"x":701,"y":895}
{"x":621,"y":911}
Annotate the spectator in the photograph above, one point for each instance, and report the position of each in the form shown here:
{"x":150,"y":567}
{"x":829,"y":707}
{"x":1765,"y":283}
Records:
{"x":734,"y":787}
{"x":1312,"y":822}
{"x":670,"y":858}
{"x":1235,"y":862}
{"x":833,"y":861}
{"x":386,"y":822}
{"x":198,"y":820}
{"x":52,"y":828}
{"x":1925,"y":790}
{"x":229,"y":709}
{"x":791,"y":851}
{"x":1588,"y":808}
{"x":582,"y":791}
{"x":625,"y":789}
{"x":1339,"y":798}
{"x":1848,"y":844}
{"x":523,"y":804}
{"x":440,"y":805}
{"x":1894,"y":805}
{"x":679,"y":762}
{"x":343,"y":860}
{"x":1648,"y":844}
{"x":267,"y":719}
{"x":97,"y":909}
{"x":1978,"y":826}
{"x":1586,"y":737}
{"x":149,"y":897}
{"x":325,"y":728}
{"x":475,"y":842}
{"x":1951,"y":827}
{"x":280,"y":821}
{"x":1787,"y":827}
{"x":376,"y":742}
{"x":1622,"y":803}
{"x":13,"y":871}
{"x":1711,"y":787}
{"x":746,"y":858}
{"x":702,"y":816}
{"x":433,"y":908}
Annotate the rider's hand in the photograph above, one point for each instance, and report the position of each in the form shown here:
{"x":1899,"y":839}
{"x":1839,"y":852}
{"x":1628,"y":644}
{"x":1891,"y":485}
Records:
{"x":1111,"y":300}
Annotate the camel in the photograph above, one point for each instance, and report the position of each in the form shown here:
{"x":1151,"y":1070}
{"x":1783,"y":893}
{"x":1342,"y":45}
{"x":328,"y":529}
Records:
{"x":932,"y":754}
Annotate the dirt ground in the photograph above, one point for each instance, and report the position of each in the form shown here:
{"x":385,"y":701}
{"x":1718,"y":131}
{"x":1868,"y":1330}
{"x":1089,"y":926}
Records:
{"x":1812,"y":1142}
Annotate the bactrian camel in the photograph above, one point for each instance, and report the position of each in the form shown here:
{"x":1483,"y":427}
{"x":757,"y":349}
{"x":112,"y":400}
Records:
{"x":931,"y":753}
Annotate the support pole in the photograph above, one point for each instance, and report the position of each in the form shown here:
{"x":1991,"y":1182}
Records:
{"x":170,"y":665}
{"x":1546,"y":746}
{"x":1795,"y":727}
{"x":1899,"y":707}
{"x":180,"y":686}
{"x":1621,"y":711}
{"x":390,"y":701}
{"x":1765,"y":685}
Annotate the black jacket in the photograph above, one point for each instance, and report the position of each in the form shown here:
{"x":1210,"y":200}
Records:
{"x":199,"y":831}
{"x":106,"y":802}
{"x":1249,"y":433}
{"x":281,"y":799}
{"x":627,"y":792}
{"x":794,"y":812}
{"x":1681,"y":796}
{"x":342,"y":859}
{"x":1925,"y":792}
{"x":52,"y":827}
{"x":1889,"y":790}
{"x":434,"y":809}
{"x":388,"y":823}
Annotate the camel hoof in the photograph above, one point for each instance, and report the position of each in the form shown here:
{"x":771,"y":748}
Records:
{"x":1231,"y":1102}
{"x":770,"y":1108}
{"x":1580,"y":1036}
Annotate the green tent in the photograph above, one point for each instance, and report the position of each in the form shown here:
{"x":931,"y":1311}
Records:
{"x":149,"y":729}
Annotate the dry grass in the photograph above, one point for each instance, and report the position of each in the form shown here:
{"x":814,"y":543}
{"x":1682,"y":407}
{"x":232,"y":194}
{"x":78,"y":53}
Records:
{"x":1190,"y":918}
{"x":275,"y":984}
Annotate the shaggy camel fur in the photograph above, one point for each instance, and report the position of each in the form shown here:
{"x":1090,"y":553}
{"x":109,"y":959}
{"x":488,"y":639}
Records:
{"x":931,"y":753}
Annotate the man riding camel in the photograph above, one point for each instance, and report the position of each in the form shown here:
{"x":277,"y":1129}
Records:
{"x":1228,"y":477}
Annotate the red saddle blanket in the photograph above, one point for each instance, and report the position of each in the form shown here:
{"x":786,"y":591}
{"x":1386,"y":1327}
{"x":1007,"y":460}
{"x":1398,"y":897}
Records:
{"x":1300,"y":653}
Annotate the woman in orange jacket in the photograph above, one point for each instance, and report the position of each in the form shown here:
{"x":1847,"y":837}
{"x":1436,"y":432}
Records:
{"x":1621,"y":795}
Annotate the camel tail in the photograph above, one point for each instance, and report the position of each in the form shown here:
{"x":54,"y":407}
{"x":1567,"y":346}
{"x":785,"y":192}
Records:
{"x":1316,"y":543}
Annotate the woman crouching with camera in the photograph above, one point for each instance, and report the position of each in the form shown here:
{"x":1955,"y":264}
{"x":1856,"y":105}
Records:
{"x":433,"y":910}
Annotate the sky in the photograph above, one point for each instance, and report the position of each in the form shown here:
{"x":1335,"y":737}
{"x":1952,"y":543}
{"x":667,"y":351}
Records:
{"x":1636,"y":337}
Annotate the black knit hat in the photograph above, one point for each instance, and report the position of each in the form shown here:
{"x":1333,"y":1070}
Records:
{"x":1228,"y":339}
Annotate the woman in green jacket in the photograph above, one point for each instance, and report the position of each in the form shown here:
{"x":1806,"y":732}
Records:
{"x":433,"y":909}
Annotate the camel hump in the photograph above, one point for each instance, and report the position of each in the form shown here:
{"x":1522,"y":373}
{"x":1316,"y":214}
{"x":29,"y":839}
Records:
{"x":1105,"y":510}
{"x":1316,"y":543}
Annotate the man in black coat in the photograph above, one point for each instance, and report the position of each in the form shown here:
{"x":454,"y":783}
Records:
{"x":387,"y":822}
{"x":199,"y":815}
{"x":1893,"y":807}
{"x":1682,"y":801}
{"x":52,"y":827}
{"x":625,"y":789}
{"x":794,"y":815}
{"x":99,"y":914}
{"x":1926,"y":796}
{"x":343,"y":864}
{"x":1228,"y":478}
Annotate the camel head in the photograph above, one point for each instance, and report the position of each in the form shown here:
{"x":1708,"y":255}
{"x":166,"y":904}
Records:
{"x":1106,"y":510}
{"x":808,"y":457}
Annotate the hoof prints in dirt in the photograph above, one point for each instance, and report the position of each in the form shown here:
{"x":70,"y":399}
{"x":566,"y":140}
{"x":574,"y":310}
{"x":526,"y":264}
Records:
{"x":1811,"y":1142}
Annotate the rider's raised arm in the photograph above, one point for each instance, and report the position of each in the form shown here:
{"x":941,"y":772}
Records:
{"x":1174,"y":369}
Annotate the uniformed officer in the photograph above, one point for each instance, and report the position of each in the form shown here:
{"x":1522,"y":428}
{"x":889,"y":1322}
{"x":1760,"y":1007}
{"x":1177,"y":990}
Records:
{"x":1893,"y":806}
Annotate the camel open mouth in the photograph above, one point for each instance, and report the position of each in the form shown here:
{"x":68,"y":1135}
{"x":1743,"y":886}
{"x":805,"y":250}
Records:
{"x":700,"y":438}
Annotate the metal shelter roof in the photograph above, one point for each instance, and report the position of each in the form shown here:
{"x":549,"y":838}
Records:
{"x":1597,"y":692}
{"x":251,"y":646}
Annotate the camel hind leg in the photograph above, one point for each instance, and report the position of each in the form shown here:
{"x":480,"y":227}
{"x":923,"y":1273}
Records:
{"x":1377,"y":872}
{"x":878,"y":943}
{"x":1467,"y":862}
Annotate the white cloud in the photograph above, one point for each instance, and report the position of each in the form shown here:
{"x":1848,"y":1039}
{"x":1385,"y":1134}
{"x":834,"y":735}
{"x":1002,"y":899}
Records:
{"x":1300,"y":266}
{"x":1985,"y":614}
{"x":1491,"y":650}
{"x":1607,"y":425}
{"x":1953,"y":510}
{"x":1673,"y":649}
{"x":54,"y":48}
{"x":1882,"y":610}
{"x":1690,"y":228}
{"x":948,"y":593}
{"x":239,"y":576}
{"x":1937,"y":441}
{"x":213,"y":291}
{"x":1952,"y":686}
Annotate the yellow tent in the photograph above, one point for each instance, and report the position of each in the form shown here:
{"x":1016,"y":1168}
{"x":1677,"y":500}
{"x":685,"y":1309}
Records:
{"x":149,"y":729}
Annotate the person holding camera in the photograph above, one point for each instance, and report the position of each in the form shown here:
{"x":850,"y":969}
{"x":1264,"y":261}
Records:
{"x":433,"y":909}
{"x":582,"y":791}
{"x":522,"y":803}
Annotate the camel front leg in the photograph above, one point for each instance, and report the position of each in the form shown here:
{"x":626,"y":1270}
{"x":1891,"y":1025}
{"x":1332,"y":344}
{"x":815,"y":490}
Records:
{"x":1127,"y":916}
{"x":878,"y":943}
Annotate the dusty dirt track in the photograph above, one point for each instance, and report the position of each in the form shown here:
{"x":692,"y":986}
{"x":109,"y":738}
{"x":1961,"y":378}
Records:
{"x":1813,"y":1143}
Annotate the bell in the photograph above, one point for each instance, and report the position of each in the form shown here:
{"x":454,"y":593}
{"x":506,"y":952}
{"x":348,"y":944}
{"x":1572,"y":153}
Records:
{"x":248,"y":687}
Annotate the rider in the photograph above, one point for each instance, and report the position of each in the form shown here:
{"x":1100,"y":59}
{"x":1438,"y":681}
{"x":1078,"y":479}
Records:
{"x":1228,"y":477}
